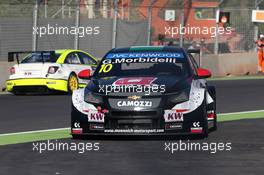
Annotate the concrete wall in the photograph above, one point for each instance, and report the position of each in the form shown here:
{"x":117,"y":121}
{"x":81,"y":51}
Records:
{"x":231,"y":64}
{"x":16,"y":35}
{"x":4,"y":73}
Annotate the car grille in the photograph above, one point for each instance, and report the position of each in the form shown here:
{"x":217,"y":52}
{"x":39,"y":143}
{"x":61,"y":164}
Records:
{"x":134,"y":120}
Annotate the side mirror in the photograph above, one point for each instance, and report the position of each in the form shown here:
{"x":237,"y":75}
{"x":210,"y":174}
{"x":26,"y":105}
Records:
{"x":85,"y":74}
{"x":203,"y":73}
{"x":10,"y":57}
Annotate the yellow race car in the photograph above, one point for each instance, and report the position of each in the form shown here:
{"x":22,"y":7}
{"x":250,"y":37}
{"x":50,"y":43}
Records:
{"x":48,"y":70}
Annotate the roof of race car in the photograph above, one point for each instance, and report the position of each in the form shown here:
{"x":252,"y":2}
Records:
{"x":147,"y":48}
{"x":60,"y":51}
{"x":63,"y":50}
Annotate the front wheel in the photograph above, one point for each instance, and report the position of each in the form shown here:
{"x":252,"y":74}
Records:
{"x":205,"y":122}
{"x":212,"y":106}
{"x":73,"y":83}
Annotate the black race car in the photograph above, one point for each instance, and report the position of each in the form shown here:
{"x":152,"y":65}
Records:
{"x":143,"y":91}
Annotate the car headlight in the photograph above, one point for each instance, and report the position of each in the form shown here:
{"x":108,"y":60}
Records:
{"x":93,"y":98}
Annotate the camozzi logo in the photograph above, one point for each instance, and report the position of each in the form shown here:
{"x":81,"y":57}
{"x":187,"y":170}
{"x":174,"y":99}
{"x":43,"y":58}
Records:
{"x":134,"y":103}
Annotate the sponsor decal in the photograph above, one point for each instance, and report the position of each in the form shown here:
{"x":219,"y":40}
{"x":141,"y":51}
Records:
{"x":145,"y":55}
{"x":173,"y":126}
{"x":51,"y":82}
{"x":197,"y":130}
{"x":139,"y":60}
{"x":96,"y":127}
{"x":134,"y":103}
{"x":196,"y":124}
{"x":135,"y":81}
{"x":27,"y":73}
{"x":173,"y":116}
{"x":134,"y":97}
{"x":105,"y":68}
{"x":77,"y":125}
{"x":95,"y":116}
{"x":134,"y":131}
{"x":77,"y":131}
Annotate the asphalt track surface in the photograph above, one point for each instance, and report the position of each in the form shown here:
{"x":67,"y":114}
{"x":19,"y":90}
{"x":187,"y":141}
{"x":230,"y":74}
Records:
{"x":145,"y":157}
{"x":136,"y":155}
{"x":37,"y":112}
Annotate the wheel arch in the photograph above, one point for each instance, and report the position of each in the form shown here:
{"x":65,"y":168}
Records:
{"x":69,"y":75}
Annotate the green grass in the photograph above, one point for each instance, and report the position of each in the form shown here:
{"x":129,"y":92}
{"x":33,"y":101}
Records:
{"x":255,"y":77}
{"x":30,"y":137}
{"x":65,"y":133}
{"x":240,"y":116}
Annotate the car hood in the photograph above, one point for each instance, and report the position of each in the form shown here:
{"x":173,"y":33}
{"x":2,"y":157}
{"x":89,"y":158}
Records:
{"x":164,"y":84}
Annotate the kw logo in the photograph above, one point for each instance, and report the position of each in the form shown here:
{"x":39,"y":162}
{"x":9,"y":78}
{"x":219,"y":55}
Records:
{"x":175,"y":116}
{"x":96,"y":117}
{"x":172,"y":116}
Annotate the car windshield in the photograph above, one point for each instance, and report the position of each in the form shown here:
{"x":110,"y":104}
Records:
{"x":39,"y":57}
{"x":143,"y":64}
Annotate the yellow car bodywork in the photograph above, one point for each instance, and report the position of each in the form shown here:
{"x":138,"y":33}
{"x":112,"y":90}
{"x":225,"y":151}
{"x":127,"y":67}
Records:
{"x":50,"y":83}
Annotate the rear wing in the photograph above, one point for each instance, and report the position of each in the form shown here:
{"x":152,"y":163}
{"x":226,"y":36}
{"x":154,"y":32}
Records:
{"x":12,"y":56}
{"x":196,"y":53}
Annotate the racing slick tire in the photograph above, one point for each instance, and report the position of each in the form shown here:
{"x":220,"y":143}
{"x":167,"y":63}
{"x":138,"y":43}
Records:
{"x":73,"y":83}
{"x":206,"y":130}
{"x":212,"y":106}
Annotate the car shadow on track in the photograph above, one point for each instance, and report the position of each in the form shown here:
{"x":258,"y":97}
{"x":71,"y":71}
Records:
{"x":43,"y":93}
